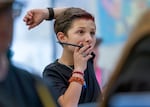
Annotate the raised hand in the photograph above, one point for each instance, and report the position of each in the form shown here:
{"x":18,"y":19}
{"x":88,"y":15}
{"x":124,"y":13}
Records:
{"x":81,"y":56}
{"x":35,"y":16}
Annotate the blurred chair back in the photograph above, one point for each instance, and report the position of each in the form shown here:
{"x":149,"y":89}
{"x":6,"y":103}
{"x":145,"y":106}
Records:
{"x":132,"y":73}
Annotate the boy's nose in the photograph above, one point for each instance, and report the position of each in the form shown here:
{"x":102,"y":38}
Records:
{"x":89,"y":39}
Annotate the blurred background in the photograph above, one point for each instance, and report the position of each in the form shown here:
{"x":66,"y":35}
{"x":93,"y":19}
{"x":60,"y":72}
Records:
{"x":38,"y":47}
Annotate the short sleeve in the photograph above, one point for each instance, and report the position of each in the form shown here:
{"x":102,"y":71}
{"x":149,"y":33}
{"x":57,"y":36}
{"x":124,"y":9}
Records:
{"x":58,"y":83}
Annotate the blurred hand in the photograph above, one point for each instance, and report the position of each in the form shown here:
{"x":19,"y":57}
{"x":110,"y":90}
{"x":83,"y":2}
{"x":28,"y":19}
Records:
{"x":35,"y":16}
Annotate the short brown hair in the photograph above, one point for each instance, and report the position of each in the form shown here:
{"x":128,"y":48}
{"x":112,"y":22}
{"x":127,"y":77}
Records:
{"x":64,"y":21}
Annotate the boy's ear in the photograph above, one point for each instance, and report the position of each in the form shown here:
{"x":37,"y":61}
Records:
{"x":61,"y":37}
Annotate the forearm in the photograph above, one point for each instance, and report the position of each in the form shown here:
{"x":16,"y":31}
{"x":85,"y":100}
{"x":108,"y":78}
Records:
{"x":35,"y":16}
{"x":52,"y":13}
{"x":72,"y":95}
{"x":57,"y":11}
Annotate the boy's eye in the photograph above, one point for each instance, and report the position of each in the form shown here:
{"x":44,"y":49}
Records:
{"x":92,"y":33}
{"x":81,"y":31}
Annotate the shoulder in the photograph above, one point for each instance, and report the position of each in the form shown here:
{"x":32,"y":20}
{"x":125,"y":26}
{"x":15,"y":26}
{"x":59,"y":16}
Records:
{"x":52,"y":65}
{"x":20,"y":70}
{"x":52,"y":69}
{"x":33,"y":82}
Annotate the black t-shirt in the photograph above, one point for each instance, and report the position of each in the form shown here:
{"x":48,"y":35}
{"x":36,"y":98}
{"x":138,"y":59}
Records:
{"x":59,"y":74}
{"x":19,"y":89}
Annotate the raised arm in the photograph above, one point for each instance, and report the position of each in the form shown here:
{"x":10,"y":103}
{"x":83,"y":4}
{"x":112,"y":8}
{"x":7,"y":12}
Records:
{"x":35,"y":16}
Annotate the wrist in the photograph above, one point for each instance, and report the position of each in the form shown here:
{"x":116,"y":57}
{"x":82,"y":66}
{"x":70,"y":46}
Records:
{"x":46,"y":14}
{"x":79,"y":70}
{"x":77,"y":79}
{"x":50,"y":14}
{"x":78,"y":74}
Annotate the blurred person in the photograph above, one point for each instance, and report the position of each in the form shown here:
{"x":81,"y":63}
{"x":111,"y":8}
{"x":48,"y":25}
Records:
{"x":72,"y":74}
{"x":18,"y":87}
{"x":102,"y":75}
{"x":98,"y":70}
{"x":130,"y":78}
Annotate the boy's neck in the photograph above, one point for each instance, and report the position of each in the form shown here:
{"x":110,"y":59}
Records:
{"x":66,"y":58}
